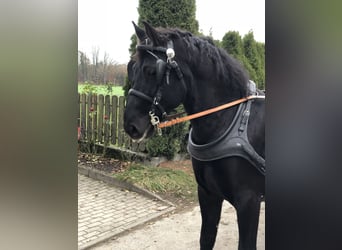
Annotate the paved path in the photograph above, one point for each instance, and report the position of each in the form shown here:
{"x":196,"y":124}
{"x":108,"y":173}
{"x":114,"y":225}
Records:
{"x":181,"y":231}
{"x":105,"y":211}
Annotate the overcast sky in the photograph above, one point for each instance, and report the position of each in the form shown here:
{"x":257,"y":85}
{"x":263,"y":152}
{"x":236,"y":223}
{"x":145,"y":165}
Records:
{"x":106,"y":24}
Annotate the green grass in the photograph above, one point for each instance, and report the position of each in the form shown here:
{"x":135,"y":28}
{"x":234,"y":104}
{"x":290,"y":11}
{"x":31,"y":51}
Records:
{"x":160,"y":180}
{"x":102,"y":90}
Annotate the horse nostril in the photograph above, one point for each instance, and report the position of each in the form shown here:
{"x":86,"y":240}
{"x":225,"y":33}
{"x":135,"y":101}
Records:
{"x":132,"y":131}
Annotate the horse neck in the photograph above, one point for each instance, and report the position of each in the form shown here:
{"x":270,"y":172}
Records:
{"x":205,"y":95}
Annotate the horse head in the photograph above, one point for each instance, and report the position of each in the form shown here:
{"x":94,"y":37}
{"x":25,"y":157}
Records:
{"x":157,"y":82}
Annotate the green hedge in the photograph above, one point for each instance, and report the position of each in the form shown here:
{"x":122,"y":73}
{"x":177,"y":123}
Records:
{"x":172,"y":141}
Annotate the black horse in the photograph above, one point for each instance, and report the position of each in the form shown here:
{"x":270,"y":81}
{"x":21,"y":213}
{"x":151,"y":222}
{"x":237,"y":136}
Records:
{"x":171,"y":67}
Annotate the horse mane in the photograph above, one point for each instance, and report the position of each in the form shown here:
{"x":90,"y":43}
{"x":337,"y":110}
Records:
{"x":199,"y":49}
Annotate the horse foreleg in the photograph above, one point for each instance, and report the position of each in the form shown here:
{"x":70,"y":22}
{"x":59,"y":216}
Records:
{"x":211,"y":213}
{"x":248,"y":208}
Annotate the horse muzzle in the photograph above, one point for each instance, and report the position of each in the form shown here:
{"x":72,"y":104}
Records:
{"x":138,"y":131}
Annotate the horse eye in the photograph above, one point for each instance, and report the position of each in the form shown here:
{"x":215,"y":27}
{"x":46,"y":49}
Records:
{"x":150,"y":71}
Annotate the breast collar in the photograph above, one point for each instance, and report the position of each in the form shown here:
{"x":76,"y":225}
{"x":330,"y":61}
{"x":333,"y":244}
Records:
{"x":234,"y":142}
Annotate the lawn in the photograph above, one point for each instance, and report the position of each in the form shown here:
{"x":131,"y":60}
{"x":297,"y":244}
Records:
{"x":161,"y":180}
{"x":101,"y":89}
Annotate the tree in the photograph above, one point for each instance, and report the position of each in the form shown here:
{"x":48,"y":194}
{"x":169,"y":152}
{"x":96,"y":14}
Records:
{"x":133,"y":44}
{"x":261,"y":54}
{"x":232,"y":43}
{"x":106,"y":62}
{"x":96,"y":71}
{"x":168,"y":14}
{"x":95,"y":56}
{"x":83,"y":67}
{"x":249,"y":52}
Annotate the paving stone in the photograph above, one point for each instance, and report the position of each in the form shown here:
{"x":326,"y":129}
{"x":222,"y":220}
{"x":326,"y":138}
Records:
{"x":105,"y":210}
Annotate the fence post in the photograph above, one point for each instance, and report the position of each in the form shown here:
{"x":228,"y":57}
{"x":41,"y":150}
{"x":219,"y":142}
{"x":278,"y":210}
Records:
{"x":83,"y":116}
{"x":120,"y":125}
{"x":100,"y":118}
{"x":94,"y":126}
{"x":114,"y":123}
{"x":79,"y":111}
{"x":89,"y":118}
{"x":106,"y":120}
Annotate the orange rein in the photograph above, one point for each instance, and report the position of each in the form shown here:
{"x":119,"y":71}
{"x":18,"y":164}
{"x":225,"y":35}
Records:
{"x":208,"y":111}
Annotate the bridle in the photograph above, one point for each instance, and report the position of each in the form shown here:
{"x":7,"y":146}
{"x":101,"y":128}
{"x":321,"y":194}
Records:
{"x":163,"y":68}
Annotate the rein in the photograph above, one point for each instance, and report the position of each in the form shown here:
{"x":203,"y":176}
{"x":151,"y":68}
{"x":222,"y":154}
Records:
{"x":207,"y":112}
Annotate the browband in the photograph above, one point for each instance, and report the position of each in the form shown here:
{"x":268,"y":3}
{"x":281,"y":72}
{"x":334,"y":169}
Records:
{"x":151,"y":48}
{"x":158,"y":48}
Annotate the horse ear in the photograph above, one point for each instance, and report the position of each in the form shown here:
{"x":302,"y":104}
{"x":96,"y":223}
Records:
{"x":152,"y":33}
{"x":141,"y":34}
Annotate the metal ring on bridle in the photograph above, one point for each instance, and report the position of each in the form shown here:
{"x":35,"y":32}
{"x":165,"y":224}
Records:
{"x":155,"y":122}
{"x":170,"y":54}
{"x":154,"y":119}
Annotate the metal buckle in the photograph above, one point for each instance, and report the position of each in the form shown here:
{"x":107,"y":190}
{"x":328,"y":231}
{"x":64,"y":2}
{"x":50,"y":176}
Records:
{"x":155,"y":122}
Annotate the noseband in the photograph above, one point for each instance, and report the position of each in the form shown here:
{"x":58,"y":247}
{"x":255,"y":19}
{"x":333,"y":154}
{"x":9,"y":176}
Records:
{"x":163,"y":68}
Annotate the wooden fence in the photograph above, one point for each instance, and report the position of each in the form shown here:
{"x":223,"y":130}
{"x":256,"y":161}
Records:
{"x":100,"y":119}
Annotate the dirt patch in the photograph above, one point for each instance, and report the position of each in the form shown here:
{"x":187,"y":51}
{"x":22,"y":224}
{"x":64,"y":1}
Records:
{"x":112,"y":165}
{"x":185,"y":166}
{"x":104,"y":164}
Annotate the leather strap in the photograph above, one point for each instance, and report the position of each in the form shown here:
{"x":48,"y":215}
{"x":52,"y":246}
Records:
{"x":208,"y":111}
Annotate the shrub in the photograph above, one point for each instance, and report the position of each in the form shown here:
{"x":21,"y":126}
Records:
{"x":89,"y":88}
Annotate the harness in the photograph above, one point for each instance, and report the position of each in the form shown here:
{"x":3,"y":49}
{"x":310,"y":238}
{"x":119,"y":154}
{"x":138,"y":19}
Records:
{"x":234,"y":142}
